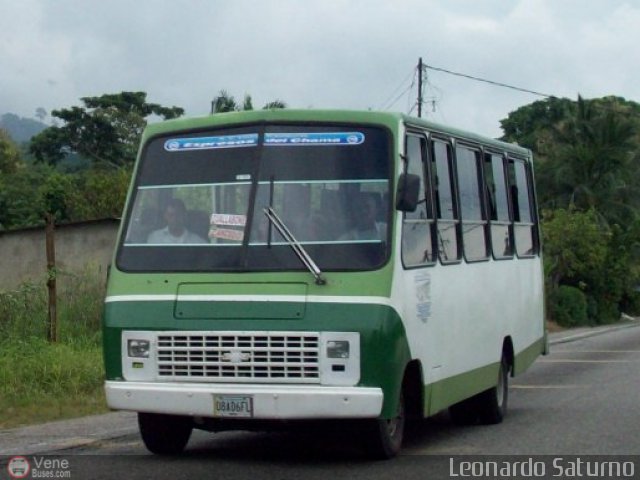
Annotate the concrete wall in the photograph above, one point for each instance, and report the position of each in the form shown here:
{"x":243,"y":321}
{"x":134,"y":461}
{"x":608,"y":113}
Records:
{"x":85,"y":248}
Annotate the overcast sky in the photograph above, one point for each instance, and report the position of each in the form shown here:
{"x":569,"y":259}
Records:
{"x":319,"y":53}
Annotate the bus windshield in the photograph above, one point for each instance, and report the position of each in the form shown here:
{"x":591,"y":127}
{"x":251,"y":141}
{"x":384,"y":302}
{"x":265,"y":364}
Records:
{"x":200,"y":199}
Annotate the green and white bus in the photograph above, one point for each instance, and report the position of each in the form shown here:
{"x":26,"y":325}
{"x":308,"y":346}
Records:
{"x":279,"y":266}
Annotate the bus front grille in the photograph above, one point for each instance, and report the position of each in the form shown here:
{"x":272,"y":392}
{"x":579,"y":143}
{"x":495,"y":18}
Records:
{"x":267,"y":357}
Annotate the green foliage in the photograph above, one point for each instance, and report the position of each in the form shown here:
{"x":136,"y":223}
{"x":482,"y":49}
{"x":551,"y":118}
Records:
{"x":27,"y":195}
{"x":55,"y":193}
{"x":591,"y":163}
{"x":42,"y":382}
{"x":585,"y":152}
{"x":587,"y":172}
{"x":602,"y":261}
{"x":31,"y":367}
{"x":38,"y":379}
{"x":23,"y":311}
{"x":101,"y":194}
{"x":106,"y":130}
{"x":9,"y":154}
{"x":575,"y":245}
{"x":529,"y":125}
{"x":569,"y":307}
{"x":21,"y":203}
{"x":224,"y":102}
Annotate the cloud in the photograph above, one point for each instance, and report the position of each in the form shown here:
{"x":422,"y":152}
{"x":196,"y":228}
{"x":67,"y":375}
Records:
{"x":319,"y":53}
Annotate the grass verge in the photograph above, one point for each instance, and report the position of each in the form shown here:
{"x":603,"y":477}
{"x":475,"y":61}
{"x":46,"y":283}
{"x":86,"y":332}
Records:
{"x":40,"y":381}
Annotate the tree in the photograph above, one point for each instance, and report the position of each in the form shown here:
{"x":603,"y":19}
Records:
{"x":581,"y":252}
{"x":103,"y":193}
{"x":586,"y":153}
{"x":224,"y":102}
{"x":106,"y":130}
{"x":9,"y":154}
{"x":587,"y":170}
{"x":21,"y":203}
{"x":530,"y":125}
{"x":41,"y":114}
{"x":591,"y":164}
{"x":27,"y":195}
{"x":575,"y":245}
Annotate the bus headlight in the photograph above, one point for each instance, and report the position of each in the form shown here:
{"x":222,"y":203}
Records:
{"x":338,"y":349}
{"x":339,"y":358}
{"x":138,"y":355}
{"x":138,"y":348}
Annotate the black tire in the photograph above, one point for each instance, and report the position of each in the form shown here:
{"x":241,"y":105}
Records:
{"x":492,"y":403}
{"x":488,"y":407}
{"x":384,"y":436}
{"x":465,"y":412}
{"x":164,"y":434}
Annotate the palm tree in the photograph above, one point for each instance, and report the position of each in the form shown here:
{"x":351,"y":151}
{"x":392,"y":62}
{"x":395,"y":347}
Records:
{"x":592,"y":163}
{"x":224,"y":102}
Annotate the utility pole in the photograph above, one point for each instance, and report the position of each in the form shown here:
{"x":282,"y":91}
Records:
{"x":420,"y":69}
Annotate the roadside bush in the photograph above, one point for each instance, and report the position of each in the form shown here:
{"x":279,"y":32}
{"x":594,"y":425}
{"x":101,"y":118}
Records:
{"x":569,"y":307}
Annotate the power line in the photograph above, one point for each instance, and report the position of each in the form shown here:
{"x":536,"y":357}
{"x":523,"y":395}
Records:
{"x":491,"y":82}
{"x":417,"y":72}
{"x":389,"y":102}
{"x":596,"y":106}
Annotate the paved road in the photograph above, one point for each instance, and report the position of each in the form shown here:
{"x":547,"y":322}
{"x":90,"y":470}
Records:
{"x":583,"y":399}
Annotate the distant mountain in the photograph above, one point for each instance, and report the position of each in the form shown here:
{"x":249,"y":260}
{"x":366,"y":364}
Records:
{"x":21,"y":129}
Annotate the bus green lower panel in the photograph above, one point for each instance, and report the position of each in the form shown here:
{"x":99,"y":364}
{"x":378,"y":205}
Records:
{"x":526,"y":357}
{"x":451,"y":390}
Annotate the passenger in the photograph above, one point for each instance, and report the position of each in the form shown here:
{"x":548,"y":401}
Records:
{"x":364,"y":221}
{"x":176,"y":232}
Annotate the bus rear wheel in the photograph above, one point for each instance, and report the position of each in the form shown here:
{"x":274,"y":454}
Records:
{"x":492,"y":403}
{"x":164,"y":434}
{"x":488,"y":407}
{"x":384,"y":436}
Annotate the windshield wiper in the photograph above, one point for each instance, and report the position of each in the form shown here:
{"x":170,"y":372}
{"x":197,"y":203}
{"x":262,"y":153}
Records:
{"x":295,"y":245}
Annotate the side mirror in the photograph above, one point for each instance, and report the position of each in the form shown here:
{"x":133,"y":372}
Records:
{"x":408,"y":191}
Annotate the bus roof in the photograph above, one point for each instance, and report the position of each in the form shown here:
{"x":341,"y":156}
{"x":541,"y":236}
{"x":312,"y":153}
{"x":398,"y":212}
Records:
{"x":389,"y":119}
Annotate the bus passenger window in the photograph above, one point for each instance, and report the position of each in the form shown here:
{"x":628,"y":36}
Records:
{"x":417,"y":238}
{"x":501,"y":231}
{"x":448,"y":224}
{"x":473,"y":219}
{"x":521,"y":195}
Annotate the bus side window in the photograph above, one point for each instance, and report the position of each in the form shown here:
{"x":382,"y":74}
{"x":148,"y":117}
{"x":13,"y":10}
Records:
{"x":417,"y":227}
{"x":496,"y":185}
{"x":474,"y":222}
{"x":521,"y":195}
{"x":447,"y":219}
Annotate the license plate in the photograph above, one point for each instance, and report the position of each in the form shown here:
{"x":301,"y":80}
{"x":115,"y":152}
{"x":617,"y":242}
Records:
{"x":232,"y":406}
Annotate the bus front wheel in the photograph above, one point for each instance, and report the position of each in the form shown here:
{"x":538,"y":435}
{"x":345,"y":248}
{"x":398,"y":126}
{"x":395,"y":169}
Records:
{"x":164,"y":434}
{"x":384,"y":437}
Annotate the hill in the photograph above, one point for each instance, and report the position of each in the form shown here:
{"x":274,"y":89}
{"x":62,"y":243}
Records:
{"x":20,"y":129}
